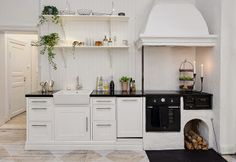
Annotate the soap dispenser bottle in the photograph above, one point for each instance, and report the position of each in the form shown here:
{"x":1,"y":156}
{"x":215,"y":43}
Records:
{"x":112,"y":86}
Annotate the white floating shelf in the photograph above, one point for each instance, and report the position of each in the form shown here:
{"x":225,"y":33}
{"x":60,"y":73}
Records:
{"x":189,"y":41}
{"x":92,"y":17}
{"x":93,"y":47}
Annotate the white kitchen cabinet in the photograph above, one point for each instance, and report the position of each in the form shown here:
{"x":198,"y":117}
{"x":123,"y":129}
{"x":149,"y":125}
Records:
{"x":40,"y":131}
{"x":129,"y":117}
{"x":104,"y":119}
{"x":104,"y":112}
{"x":72,"y":123}
{"x":39,"y":120}
{"x":104,"y":131}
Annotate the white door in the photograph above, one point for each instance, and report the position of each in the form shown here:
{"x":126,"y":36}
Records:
{"x":72,"y":124}
{"x":129,"y":117}
{"x":18,"y":76}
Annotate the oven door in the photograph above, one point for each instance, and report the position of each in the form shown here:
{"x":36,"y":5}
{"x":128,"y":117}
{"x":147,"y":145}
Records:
{"x":162,"y":118}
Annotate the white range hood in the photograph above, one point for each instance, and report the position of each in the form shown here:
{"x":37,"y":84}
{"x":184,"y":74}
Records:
{"x":176,"y":24}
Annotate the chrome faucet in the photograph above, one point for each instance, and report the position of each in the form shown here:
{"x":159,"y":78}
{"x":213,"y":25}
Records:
{"x":78,"y":85}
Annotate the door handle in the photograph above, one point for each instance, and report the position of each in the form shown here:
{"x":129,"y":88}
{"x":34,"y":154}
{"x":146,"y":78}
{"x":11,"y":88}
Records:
{"x":104,"y":125}
{"x":86,"y":124}
{"x":24,"y":79}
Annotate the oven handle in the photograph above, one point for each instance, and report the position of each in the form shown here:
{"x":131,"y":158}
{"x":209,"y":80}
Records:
{"x":173,"y":107}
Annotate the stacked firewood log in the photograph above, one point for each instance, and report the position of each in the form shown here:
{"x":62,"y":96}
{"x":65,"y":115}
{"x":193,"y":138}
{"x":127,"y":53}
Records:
{"x":193,"y":141}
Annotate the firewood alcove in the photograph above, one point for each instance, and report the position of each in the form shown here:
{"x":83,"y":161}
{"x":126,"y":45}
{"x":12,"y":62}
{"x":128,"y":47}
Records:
{"x":196,"y":135}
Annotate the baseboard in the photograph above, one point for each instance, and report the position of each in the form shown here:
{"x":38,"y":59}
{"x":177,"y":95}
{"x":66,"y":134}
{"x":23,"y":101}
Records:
{"x":86,"y":145}
{"x":227,"y":149}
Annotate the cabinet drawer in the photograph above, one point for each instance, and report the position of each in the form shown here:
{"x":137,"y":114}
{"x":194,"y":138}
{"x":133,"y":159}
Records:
{"x":40,"y":131}
{"x":40,"y":102}
{"x":40,"y":113}
{"x":104,"y":101}
{"x":103,"y":112}
{"x":104,"y":131}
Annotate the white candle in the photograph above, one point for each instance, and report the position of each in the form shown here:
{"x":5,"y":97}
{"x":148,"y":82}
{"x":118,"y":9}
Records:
{"x":194,"y":67}
{"x":202,"y":71}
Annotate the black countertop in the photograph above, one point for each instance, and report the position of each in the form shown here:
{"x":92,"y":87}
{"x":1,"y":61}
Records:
{"x":116,"y":94}
{"x":40,"y":94}
{"x":138,"y":93}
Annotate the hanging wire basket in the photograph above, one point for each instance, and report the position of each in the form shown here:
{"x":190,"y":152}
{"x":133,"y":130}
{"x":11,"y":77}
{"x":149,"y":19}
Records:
{"x":186,"y":76}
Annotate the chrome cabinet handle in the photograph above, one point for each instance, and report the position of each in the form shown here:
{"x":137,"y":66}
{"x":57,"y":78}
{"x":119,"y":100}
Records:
{"x":39,"y":108}
{"x":103,"y":108}
{"x":39,"y":101}
{"x":103,"y":101}
{"x":40,"y":125}
{"x":104,"y":125}
{"x":134,"y":100}
{"x":86,"y":124}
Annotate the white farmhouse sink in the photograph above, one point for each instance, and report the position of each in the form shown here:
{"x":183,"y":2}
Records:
{"x":72,"y":97}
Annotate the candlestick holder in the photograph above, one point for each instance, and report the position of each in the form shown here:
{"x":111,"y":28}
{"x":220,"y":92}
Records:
{"x":202,"y":78}
{"x":194,"y":80}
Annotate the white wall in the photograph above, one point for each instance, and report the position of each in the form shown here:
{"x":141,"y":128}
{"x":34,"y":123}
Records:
{"x":2,"y":80}
{"x":211,"y":57}
{"x":228,"y":77}
{"x":91,"y":63}
{"x":14,"y":13}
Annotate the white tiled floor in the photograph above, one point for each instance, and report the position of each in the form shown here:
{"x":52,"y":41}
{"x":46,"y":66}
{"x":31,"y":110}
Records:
{"x":12,"y":139}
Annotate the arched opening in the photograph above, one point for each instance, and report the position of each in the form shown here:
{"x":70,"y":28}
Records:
{"x":196,"y":135}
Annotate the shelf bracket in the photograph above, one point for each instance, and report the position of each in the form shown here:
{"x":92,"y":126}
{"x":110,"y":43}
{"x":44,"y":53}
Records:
{"x":63,"y":57}
{"x":110,"y":57}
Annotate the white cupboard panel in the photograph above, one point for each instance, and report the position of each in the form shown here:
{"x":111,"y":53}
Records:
{"x":104,"y":131}
{"x":104,"y":112}
{"x":40,"y":131}
{"x":129,"y":117}
{"x":72,"y":124}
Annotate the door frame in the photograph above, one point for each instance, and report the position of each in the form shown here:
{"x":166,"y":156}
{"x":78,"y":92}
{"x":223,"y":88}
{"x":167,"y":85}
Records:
{"x":8,"y":40}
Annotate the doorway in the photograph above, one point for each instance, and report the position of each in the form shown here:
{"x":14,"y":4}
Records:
{"x":22,"y":71}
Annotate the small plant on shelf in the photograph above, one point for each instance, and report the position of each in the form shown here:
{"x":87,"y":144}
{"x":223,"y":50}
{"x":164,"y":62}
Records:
{"x":186,"y":78}
{"x":48,"y":42}
{"x":50,"y":10}
{"x":124,"y":83}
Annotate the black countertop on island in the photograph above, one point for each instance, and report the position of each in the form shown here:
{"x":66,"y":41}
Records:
{"x":40,"y":94}
{"x":116,"y":94}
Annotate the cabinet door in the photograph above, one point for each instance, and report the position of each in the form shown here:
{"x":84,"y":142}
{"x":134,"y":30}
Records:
{"x":72,"y":124}
{"x":129,"y":117}
{"x":39,"y":131}
{"x":104,"y":131}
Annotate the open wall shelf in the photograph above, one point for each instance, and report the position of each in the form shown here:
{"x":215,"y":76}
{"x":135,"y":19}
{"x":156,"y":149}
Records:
{"x":91,"y":17}
{"x":94,"y":47}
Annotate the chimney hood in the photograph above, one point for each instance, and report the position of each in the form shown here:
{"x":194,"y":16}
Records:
{"x":176,"y":24}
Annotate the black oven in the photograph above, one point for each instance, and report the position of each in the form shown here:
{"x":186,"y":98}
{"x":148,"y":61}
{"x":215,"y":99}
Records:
{"x":162,"y":112}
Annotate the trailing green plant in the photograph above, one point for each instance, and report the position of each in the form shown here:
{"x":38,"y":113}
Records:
{"x":48,"y":42}
{"x":124,"y":79}
{"x":50,"y":10}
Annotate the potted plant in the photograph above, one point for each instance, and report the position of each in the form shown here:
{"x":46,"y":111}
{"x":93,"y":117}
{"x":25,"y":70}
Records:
{"x":48,"y":42}
{"x":50,"y":10}
{"x":124,"y":80}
